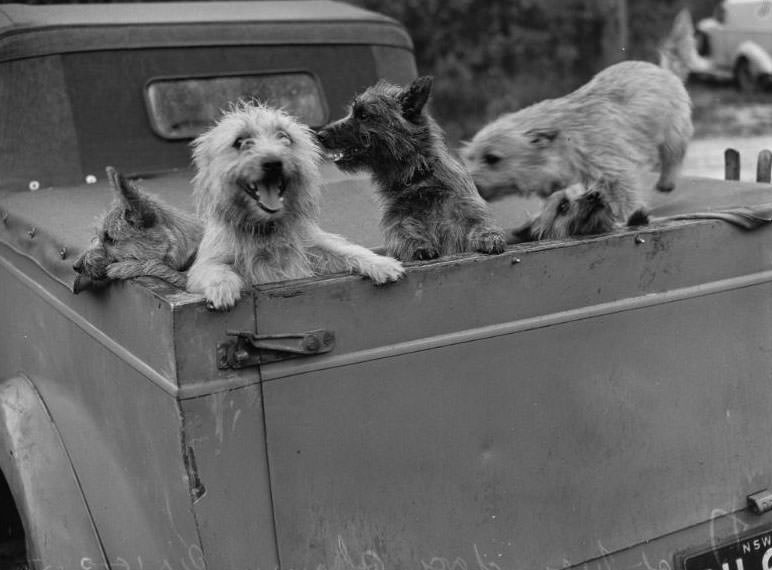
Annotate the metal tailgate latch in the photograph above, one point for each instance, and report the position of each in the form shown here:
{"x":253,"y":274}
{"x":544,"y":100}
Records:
{"x":250,"y":349}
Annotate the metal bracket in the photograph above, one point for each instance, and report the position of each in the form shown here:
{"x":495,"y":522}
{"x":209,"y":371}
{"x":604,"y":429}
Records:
{"x":760,"y":502}
{"x":250,"y":349}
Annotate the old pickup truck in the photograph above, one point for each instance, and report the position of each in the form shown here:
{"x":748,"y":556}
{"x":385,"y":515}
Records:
{"x":601,"y":403}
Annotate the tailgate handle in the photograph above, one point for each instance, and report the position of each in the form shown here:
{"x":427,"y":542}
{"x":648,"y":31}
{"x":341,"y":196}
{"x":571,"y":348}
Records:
{"x":250,"y":349}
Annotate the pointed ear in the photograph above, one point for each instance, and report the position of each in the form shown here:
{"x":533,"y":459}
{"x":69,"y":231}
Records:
{"x":140,"y":212}
{"x":521,"y":234}
{"x":414,"y":97}
{"x":541,"y":137}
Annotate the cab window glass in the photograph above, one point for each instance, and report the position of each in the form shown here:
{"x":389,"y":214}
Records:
{"x":183,"y":108}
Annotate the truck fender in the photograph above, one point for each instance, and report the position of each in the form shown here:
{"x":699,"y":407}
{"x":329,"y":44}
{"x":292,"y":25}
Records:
{"x":760,"y":60}
{"x":58,"y":526}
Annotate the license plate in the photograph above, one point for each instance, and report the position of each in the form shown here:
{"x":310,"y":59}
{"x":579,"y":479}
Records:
{"x":752,"y":551}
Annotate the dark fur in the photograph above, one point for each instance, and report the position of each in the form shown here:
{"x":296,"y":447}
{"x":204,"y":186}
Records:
{"x":431,"y":206}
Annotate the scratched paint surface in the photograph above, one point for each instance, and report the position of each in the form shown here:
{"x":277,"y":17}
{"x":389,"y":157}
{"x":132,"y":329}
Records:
{"x":552,"y":446}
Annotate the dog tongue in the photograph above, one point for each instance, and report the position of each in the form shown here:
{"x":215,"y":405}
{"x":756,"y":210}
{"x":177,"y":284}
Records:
{"x":270,"y":197}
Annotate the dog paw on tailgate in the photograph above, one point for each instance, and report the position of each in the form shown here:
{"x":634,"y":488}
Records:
{"x":385,"y":270}
{"x":222,"y":295}
{"x":490,"y":242}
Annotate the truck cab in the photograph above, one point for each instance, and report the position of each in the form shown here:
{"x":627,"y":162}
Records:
{"x":591,"y":403}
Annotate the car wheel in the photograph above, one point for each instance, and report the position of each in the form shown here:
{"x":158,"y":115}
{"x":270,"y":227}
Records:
{"x":743,"y":74}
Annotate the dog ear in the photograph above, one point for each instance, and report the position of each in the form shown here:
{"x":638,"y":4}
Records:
{"x":139,"y":212}
{"x":521,"y":234}
{"x":541,"y":137}
{"x":414,"y":97}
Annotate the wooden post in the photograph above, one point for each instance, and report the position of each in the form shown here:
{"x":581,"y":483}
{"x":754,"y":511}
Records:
{"x":764,"y":166}
{"x":731,"y":164}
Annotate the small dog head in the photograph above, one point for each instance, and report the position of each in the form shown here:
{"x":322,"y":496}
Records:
{"x":256,"y":167}
{"x":503,"y":159}
{"x":573,"y":211}
{"x":385,"y":125}
{"x":133,"y":228}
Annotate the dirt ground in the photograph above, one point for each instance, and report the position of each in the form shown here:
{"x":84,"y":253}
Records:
{"x":724,"y":118}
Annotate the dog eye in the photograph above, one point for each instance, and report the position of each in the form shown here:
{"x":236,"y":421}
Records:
{"x":284,"y":137}
{"x":563,"y":206}
{"x":241,"y":143}
{"x":491,"y":159}
{"x":107,"y":238}
{"x":361,"y":114}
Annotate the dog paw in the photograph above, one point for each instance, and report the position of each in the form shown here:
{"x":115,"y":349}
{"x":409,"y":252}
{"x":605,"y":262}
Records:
{"x":385,"y":270}
{"x":222,"y":296}
{"x":425,"y":254}
{"x":491,"y":242}
{"x":665,"y":187}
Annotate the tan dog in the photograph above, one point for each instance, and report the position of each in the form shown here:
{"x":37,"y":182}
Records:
{"x":576,"y":211}
{"x":630,"y":116}
{"x":257,"y":189}
{"x":139,"y":236}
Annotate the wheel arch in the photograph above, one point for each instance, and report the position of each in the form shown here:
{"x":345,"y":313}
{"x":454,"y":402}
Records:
{"x":759,"y":59}
{"x":43,"y":484}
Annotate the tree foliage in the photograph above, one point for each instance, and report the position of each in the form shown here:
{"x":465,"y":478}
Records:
{"x":493,"y":56}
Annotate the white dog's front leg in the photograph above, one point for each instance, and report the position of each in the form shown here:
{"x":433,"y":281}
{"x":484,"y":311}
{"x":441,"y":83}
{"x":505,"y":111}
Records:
{"x":212,"y":272}
{"x":332,"y":253}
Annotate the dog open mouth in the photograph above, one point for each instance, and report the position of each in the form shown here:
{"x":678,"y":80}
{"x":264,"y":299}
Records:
{"x":340,"y":155}
{"x":268,"y":193}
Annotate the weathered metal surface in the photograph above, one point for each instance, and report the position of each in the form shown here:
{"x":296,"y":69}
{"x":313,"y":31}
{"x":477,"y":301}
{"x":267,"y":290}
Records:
{"x":613,"y":392}
{"x":120,"y":426}
{"x":32,"y":31}
{"x":56,"y":519}
{"x":235,"y":515}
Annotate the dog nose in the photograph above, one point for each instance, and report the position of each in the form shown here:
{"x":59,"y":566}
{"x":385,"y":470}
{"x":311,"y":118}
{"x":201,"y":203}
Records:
{"x":78,"y":265}
{"x":272,"y":167}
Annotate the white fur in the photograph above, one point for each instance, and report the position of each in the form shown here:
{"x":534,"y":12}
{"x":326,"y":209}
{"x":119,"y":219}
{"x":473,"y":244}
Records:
{"x":244,"y":245}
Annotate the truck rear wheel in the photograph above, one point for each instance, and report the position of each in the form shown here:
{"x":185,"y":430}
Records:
{"x":13,"y":550}
{"x":746,"y":81}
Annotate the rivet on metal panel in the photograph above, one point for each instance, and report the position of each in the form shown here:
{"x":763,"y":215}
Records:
{"x":32,"y":232}
{"x":63,"y":253}
{"x":515,"y":260}
{"x":91,"y":179}
{"x":760,"y":502}
{"x":34,"y":185}
{"x":639,"y":240}
{"x":311,"y":344}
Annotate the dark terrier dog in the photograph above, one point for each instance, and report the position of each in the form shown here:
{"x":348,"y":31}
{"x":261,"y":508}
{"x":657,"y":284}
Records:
{"x":432,"y":207}
{"x":139,"y":236}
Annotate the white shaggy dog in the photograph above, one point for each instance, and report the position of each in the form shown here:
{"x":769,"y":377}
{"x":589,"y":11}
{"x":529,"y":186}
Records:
{"x":257,"y":190}
{"x":630,"y":116}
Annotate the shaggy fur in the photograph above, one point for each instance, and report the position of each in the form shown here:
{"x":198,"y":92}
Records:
{"x":139,"y":236}
{"x":678,"y":52}
{"x":257,"y":189}
{"x":629,"y":116}
{"x":577,"y":211}
{"x":431,"y":207}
